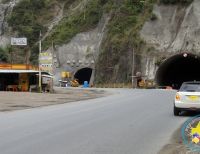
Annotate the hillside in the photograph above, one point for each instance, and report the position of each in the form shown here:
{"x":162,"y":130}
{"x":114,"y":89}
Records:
{"x":107,"y":32}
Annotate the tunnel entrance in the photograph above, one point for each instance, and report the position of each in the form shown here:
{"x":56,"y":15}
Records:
{"x":83,"y":74}
{"x":178,"y":69}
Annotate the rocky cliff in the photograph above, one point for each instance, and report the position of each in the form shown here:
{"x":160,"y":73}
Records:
{"x":175,"y":28}
{"x":5,"y":9}
{"x":81,"y":52}
{"x":114,"y":38}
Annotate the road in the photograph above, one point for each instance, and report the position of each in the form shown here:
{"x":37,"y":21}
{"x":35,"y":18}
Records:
{"x":127,"y":122}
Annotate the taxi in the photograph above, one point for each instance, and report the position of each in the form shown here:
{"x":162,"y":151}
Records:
{"x":187,"y":98}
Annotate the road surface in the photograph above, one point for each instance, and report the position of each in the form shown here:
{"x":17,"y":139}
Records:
{"x":128,"y":122}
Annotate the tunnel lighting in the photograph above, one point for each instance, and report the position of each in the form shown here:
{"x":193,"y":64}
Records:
{"x":185,"y":55}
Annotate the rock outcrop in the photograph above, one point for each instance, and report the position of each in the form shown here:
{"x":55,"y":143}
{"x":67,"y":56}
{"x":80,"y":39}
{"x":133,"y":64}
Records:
{"x":176,"y":28}
{"x":5,"y":10}
{"x":81,"y":51}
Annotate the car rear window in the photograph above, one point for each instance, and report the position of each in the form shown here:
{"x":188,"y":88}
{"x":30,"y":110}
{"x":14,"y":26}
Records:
{"x":190,"y":87}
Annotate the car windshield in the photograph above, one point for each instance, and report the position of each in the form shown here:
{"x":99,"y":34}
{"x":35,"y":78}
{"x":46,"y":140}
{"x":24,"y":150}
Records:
{"x":190,"y":87}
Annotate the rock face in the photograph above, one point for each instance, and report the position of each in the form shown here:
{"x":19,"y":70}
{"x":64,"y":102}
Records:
{"x":176,"y":28}
{"x":3,"y":12}
{"x":5,"y":9}
{"x":80,"y":52}
{"x":149,"y":68}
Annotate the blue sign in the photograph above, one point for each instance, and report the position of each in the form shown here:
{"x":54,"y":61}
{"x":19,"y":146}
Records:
{"x":190,"y":133}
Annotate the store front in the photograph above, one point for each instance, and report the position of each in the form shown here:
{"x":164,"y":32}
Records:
{"x":23,"y":78}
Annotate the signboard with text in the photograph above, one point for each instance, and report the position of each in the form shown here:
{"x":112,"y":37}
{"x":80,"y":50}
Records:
{"x":46,"y":62}
{"x":19,"y":41}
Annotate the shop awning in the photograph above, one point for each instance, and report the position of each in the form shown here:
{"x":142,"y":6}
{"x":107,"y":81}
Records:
{"x":44,"y":75}
{"x":18,"y":71}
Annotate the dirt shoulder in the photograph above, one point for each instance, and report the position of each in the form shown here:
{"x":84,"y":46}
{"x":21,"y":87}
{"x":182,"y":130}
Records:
{"x":22,"y":100}
{"x":176,"y":146}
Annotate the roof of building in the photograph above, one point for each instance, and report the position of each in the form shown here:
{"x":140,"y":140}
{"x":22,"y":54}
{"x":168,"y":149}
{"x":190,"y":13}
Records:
{"x":18,"y":67}
{"x":17,"y":71}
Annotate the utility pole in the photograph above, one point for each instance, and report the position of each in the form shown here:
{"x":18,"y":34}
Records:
{"x":52,"y":54}
{"x":40,"y":74}
{"x":26,"y":50}
{"x":133,"y":64}
{"x":11,"y":54}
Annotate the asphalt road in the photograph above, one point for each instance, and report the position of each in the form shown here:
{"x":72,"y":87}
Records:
{"x":128,"y":122}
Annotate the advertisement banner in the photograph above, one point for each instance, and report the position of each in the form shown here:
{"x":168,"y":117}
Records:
{"x":46,"y":62}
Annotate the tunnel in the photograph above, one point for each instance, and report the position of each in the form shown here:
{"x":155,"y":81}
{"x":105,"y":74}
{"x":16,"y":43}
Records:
{"x":83,"y":74}
{"x":178,"y":69}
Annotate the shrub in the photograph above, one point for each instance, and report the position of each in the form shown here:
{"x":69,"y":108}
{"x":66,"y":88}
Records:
{"x":80,"y":22}
{"x":24,"y":19}
{"x":4,"y":55}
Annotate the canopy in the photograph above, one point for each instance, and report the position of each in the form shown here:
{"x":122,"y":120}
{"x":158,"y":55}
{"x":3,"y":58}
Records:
{"x":18,"y":71}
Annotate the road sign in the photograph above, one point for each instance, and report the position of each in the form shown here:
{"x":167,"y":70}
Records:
{"x":45,"y":61}
{"x":19,"y":41}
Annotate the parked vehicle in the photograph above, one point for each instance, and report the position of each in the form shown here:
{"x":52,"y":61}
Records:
{"x":74,"y":83}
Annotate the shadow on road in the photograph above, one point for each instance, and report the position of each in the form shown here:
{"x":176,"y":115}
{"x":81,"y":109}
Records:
{"x":189,"y":113}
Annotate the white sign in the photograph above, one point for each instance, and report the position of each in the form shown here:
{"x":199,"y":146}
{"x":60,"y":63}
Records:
{"x":19,"y":41}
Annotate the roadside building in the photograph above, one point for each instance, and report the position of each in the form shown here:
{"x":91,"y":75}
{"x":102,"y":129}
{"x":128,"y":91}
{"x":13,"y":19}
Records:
{"x":20,"y":77}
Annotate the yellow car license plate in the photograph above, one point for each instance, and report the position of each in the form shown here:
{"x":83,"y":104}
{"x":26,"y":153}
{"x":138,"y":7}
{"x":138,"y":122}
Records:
{"x":194,"y":98}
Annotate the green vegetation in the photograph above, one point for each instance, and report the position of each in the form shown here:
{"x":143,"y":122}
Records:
{"x":28,"y":18}
{"x":4,"y":54}
{"x":127,"y":19}
{"x":79,"y":22}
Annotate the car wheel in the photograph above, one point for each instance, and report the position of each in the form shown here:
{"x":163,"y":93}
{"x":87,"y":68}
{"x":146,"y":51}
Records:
{"x":176,"y":111}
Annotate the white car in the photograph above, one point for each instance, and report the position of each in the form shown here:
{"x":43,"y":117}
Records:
{"x":187,"y":98}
